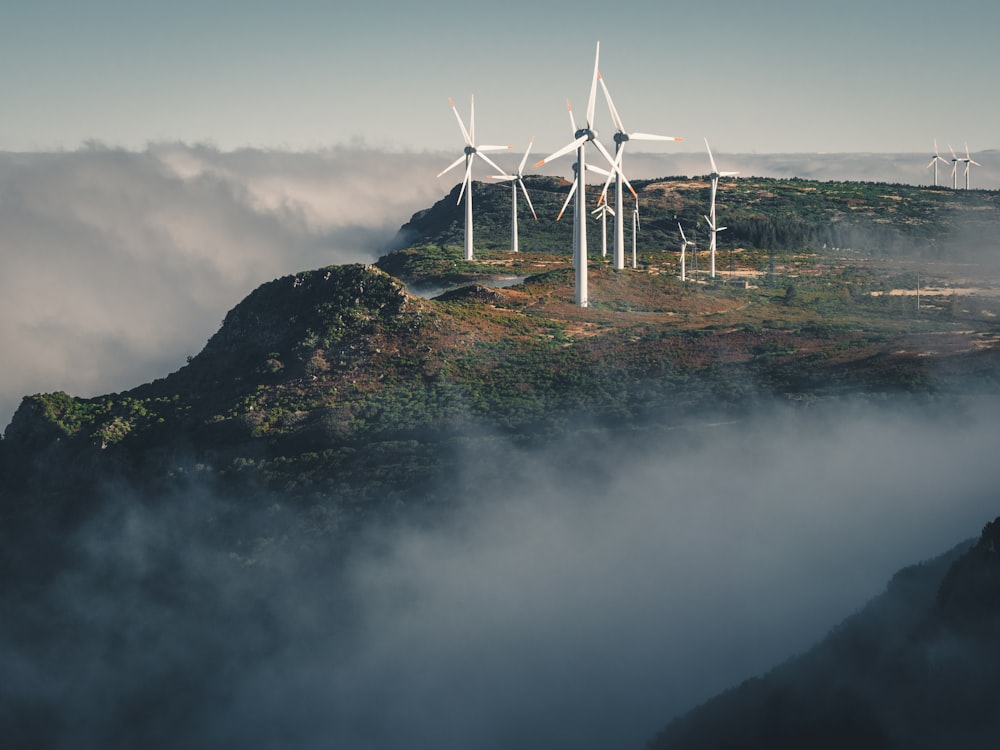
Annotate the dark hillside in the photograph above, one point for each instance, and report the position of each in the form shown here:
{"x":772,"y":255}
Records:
{"x":919,"y":667}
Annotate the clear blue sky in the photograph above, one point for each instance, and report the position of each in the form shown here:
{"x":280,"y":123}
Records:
{"x":771,"y":76}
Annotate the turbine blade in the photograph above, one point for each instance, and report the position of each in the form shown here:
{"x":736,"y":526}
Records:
{"x":492,"y":149}
{"x":454,"y":164}
{"x":711,"y":158}
{"x":651,"y":137}
{"x":593,"y":89}
{"x":616,"y":169}
{"x":572,"y":146}
{"x":489,"y":161}
{"x":572,"y":120}
{"x":611,"y":106}
{"x":527,"y":197}
{"x":465,"y":133}
{"x":472,"y":120}
{"x":466,"y":183}
{"x":524,"y":159}
{"x":682,"y":232}
{"x":614,"y":166}
{"x":502,"y":177}
{"x":709,"y":222}
{"x":569,"y":197}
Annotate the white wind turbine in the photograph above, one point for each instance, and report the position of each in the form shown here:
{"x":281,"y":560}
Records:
{"x":714,"y":177}
{"x":517,"y":179}
{"x":969,"y":161}
{"x":684,"y":243}
{"x":469,"y":156}
{"x":954,"y":168}
{"x":622,"y":137}
{"x":635,"y":231}
{"x":934,"y":162}
{"x":581,"y":138}
{"x":603,"y":210}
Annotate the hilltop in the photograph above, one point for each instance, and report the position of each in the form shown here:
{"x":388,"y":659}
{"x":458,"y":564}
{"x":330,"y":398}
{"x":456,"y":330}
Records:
{"x":338,"y":401}
{"x":315,"y":378}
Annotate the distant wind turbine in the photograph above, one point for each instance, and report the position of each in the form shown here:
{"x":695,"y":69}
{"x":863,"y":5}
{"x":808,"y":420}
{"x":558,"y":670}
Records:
{"x":581,"y":138}
{"x":684,"y":243}
{"x":969,"y":161}
{"x":469,"y":156}
{"x":622,"y":137}
{"x":954,"y":168}
{"x":635,"y":232}
{"x":603,"y":210}
{"x":934,"y":162}
{"x":517,"y":179}
{"x":714,"y":178}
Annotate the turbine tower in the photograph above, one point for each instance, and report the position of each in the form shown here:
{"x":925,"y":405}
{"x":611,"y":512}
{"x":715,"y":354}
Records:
{"x":603,"y":210}
{"x":954,"y":168}
{"x":714,"y":178}
{"x":515,"y":180}
{"x":622,"y":137}
{"x":969,"y":161}
{"x":581,"y":138}
{"x":684,"y":243}
{"x":934,"y":162}
{"x":469,"y":156}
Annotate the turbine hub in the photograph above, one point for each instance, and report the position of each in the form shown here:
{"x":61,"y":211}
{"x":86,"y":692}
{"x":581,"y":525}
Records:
{"x":469,"y":150}
{"x":621,"y":137}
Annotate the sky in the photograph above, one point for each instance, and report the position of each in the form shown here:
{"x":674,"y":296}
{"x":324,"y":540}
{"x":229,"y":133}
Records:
{"x":883,"y":76}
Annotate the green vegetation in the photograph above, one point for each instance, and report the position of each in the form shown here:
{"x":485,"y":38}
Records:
{"x":341,"y":362}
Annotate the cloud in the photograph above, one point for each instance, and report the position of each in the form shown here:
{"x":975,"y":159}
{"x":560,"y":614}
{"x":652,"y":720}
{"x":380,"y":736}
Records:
{"x":579,"y":594}
{"x":117,"y":264}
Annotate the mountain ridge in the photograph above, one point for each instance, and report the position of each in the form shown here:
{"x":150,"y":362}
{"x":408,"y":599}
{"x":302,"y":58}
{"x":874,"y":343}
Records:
{"x":334,"y":400}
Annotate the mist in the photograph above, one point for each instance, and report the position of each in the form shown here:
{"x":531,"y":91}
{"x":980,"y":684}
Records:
{"x":117,"y":265}
{"x":578,"y":595}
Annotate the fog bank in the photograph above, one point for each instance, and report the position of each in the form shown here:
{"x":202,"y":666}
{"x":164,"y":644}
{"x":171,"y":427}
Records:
{"x":552,"y":608}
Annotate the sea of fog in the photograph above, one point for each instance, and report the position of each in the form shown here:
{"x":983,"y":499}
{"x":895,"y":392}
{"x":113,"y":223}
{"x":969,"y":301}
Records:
{"x":547,"y":611}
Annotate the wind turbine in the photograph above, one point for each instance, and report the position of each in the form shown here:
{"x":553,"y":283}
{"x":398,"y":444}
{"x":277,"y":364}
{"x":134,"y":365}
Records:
{"x":581,"y":138}
{"x":934,"y":162}
{"x":603,"y":210}
{"x":469,"y":156}
{"x":517,"y":179}
{"x":622,"y":137}
{"x":684,"y":243}
{"x":954,"y":168}
{"x":635,"y":231}
{"x":714,"y":177}
{"x":968,"y":165}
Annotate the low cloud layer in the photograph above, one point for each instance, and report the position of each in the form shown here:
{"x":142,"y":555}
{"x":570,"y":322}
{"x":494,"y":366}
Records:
{"x":116,"y":265}
{"x":549,"y":610}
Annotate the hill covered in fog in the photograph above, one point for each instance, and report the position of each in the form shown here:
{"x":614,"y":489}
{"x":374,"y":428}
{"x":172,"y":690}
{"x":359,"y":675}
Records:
{"x":916,"y":668}
{"x":303,"y":507}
